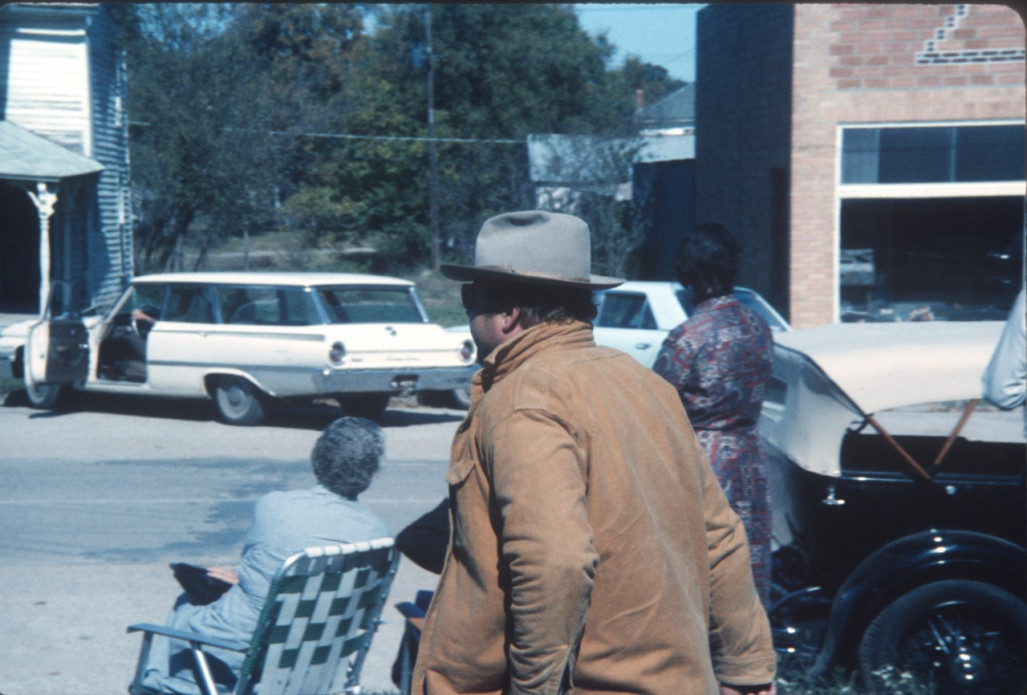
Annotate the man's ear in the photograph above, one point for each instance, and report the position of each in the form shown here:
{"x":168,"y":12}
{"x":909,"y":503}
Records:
{"x":511,"y":319}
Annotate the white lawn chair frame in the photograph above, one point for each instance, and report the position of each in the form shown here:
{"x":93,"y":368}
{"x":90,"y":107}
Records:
{"x":321,"y":612}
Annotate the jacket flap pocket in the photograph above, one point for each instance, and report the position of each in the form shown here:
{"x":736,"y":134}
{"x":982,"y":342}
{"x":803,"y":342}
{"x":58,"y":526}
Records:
{"x":459,"y":469}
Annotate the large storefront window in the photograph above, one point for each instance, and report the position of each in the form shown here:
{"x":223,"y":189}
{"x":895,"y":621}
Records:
{"x":932,"y":221}
{"x":930,"y":258}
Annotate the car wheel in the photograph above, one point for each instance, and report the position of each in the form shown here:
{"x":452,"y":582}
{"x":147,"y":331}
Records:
{"x":44,"y":396}
{"x":456,"y":398}
{"x":461,"y":398}
{"x":365,"y":405}
{"x":238,"y":401}
{"x":969,"y":638}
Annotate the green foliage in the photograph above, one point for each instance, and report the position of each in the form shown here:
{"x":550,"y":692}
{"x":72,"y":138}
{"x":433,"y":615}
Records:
{"x":200,"y":169}
{"x":294,"y":117}
{"x":794,"y":680}
{"x":634,"y":75}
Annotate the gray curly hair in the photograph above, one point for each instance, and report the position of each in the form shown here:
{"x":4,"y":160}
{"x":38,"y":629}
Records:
{"x":347,"y":455}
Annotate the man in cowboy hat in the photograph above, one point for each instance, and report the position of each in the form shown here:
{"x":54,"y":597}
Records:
{"x":592,"y":549}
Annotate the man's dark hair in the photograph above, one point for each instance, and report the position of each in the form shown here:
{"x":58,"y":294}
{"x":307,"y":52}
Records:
{"x":347,"y":455}
{"x":707,"y":260}
{"x":541,"y":303}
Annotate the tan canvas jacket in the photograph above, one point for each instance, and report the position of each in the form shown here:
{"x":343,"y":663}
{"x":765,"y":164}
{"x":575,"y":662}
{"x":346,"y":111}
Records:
{"x":592,"y":549}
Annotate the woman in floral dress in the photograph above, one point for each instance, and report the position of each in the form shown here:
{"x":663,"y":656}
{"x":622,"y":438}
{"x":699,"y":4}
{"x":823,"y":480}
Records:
{"x":719,"y":360}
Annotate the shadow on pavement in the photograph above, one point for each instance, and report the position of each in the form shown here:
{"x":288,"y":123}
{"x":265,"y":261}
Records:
{"x":402,"y":411}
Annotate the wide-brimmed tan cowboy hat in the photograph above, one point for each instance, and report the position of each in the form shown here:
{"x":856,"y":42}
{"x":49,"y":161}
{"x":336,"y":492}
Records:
{"x":533,"y":246}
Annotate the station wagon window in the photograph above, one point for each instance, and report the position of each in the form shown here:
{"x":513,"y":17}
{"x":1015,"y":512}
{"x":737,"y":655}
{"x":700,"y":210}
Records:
{"x":189,"y":304}
{"x":148,"y":298}
{"x":626,"y":310}
{"x":263,"y":306}
{"x":370,"y":305}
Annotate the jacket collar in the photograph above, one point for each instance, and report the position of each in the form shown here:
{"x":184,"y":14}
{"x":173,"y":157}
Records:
{"x":537,"y":339}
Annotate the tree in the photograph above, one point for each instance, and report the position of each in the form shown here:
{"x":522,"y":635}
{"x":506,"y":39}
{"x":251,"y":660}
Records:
{"x":635,"y":76}
{"x":501,"y":73}
{"x":295,"y":117}
{"x":591,"y":177}
{"x":202,"y":162}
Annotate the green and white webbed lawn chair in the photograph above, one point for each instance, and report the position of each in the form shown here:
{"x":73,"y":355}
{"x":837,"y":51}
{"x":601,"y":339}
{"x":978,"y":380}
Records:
{"x":322,"y":610}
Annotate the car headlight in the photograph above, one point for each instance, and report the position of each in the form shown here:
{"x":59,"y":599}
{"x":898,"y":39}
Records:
{"x":467,"y":350}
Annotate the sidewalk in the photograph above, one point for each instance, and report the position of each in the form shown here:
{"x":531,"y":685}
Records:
{"x":63,"y":626}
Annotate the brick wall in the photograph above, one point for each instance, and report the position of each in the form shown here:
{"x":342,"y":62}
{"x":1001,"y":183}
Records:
{"x":881,"y":63}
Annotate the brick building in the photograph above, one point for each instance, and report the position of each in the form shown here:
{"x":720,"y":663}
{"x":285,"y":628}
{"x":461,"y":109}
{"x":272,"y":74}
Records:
{"x":871,"y":157}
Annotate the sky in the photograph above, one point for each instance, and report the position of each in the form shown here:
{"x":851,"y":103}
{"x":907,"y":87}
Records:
{"x":659,"y":33}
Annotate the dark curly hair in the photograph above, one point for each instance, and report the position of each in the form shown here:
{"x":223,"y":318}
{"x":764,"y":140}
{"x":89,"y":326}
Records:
{"x":707,"y":260}
{"x":539,"y":303}
{"x":347,"y":455}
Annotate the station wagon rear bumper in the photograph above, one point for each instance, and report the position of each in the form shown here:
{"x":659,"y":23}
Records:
{"x":394,"y":381}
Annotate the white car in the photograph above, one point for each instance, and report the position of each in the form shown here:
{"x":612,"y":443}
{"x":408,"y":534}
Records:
{"x":637,"y":316}
{"x":245,"y":340}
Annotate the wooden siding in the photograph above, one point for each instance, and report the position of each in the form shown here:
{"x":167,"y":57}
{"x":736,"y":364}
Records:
{"x":47,"y":90}
{"x":63,"y":77}
{"x":110,"y":138}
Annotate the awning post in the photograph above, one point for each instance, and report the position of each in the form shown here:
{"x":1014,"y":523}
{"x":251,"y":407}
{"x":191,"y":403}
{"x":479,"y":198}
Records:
{"x":45,"y":199}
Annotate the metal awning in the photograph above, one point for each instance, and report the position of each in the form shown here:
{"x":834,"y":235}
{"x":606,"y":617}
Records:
{"x":26,"y":156}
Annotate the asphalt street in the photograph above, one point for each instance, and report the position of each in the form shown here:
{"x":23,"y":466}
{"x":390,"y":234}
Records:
{"x":96,"y":501}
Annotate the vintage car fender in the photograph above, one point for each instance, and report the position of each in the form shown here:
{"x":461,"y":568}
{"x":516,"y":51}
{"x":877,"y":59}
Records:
{"x":211,"y":377}
{"x":907,"y":563}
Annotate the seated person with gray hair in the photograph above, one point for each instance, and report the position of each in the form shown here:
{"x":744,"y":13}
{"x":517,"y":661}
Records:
{"x":345,"y":458}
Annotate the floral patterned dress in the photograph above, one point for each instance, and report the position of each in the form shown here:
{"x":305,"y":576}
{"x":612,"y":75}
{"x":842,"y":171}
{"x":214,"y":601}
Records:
{"x":719,"y":360}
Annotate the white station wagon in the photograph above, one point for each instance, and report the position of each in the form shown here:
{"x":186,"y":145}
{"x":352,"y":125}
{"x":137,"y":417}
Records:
{"x":247,"y":339}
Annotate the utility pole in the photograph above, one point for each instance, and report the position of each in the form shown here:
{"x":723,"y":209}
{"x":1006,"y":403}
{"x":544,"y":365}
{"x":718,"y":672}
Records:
{"x":433,"y":163}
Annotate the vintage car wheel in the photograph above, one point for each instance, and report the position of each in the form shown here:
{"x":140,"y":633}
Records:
{"x":460,"y":399}
{"x":365,"y":405}
{"x":969,"y":637}
{"x":44,"y":396}
{"x":238,"y":401}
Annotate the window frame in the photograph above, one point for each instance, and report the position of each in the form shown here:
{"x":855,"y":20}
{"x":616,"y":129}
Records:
{"x":947,"y":189}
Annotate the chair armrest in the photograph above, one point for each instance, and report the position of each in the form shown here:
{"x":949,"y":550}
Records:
{"x":185,"y":636}
{"x":410,"y":610}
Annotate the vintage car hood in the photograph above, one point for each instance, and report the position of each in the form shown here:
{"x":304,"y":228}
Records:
{"x":828,"y":378}
{"x":887,"y":365}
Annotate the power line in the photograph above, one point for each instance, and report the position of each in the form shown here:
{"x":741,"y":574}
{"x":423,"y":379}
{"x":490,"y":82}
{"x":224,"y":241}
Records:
{"x":641,"y":7}
{"x":348,"y":136}
{"x":398,"y":138}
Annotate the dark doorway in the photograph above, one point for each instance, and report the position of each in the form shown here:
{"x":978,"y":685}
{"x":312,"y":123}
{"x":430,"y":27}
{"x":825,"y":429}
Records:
{"x":668,"y":208}
{"x":19,"y":251}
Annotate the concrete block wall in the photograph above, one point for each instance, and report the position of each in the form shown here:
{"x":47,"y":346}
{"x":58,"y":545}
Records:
{"x":743,"y":101}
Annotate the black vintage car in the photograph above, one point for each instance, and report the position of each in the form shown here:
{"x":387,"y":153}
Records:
{"x":899,"y":507}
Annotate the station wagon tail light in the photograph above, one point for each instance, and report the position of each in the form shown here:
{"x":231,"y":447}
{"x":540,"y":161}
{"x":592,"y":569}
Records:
{"x":337,"y":353}
{"x":467,"y":351}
